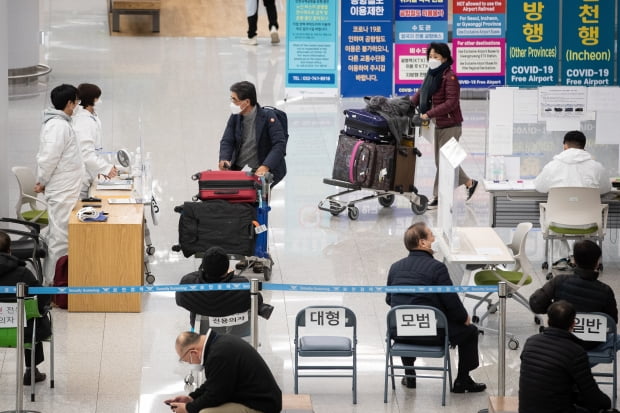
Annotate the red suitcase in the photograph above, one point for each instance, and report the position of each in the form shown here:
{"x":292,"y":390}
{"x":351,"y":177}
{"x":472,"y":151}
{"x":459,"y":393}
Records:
{"x":232,"y":186}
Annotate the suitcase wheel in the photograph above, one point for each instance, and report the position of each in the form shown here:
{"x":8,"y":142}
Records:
{"x":353,"y":213}
{"x":386,"y":200}
{"x":421,"y":206}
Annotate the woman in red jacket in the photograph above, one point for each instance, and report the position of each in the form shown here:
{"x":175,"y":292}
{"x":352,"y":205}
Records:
{"x":439,"y":100}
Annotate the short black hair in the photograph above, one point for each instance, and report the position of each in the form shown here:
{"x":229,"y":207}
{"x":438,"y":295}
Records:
{"x":442,"y":49}
{"x":575,"y":139}
{"x":245,"y":90}
{"x":87,"y":92}
{"x":561,"y":314}
{"x":5,"y":242}
{"x":62,"y":95}
{"x":587,"y":254}
{"x":414,"y":234}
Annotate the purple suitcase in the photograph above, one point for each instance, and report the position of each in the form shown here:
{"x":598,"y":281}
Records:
{"x":354,"y":162}
{"x":366,"y":125}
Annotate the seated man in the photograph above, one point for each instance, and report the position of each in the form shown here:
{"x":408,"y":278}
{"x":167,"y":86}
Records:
{"x":13,"y":271}
{"x":555,"y":375}
{"x":237,"y":378}
{"x":420,"y":268}
{"x":217,"y":303}
{"x":582,"y":289}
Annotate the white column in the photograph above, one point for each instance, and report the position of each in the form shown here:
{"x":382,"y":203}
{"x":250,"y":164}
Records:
{"x":4,"y":108}
{"x":24,"y":28}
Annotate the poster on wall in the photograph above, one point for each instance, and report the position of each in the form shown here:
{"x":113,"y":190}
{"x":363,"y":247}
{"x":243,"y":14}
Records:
{"x":478,"y":43}
{"x":418,"y":23}
{"x":532,"y":43}
{"x":311,"y":51}
{"x":588,"y":42}
{"x":366,"y":48}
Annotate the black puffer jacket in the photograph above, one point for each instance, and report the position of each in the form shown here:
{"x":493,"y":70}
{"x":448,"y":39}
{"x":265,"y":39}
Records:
{"x":217,"y":303}
{"x":12,"y":271}
{"x":553,"y":364}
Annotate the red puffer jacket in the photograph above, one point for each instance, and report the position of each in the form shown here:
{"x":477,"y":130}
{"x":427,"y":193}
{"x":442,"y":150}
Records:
{"x":446,"y":109}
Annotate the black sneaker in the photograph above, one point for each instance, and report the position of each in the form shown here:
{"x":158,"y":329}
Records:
{"x":38,"y":376}
{"x":409,"y":382}
{"x":468,"y":385}
{"x":471,"y":189}
{"x":433,"y":204}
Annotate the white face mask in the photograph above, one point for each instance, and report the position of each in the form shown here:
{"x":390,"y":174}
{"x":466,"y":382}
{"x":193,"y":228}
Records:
{"x":235,"y":109}
{"x":76,"y":109}
{"x":434,"y":63}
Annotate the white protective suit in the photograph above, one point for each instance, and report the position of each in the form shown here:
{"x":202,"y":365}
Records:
{"x":87,"y":127}
{"x":573,"y":167}
{"x":60,"y":169}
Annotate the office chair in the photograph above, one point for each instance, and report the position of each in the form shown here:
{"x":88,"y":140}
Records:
{"x":602,"y":328}
{"x":572,"y":213}
{"x":29,"y":246}
{"x":323,"y":329}
{"x":412,"y":321}
{"x":37,"y":208}
{"x":8,"y":335}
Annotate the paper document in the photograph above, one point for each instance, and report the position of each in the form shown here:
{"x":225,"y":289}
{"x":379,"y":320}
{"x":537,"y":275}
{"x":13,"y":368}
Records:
{"x":122,"y":201}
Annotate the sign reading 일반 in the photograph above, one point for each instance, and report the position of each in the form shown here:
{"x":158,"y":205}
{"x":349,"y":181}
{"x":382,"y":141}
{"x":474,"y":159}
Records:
{"x":532,"y":42}
{"x":415,"y":322}
{"x":325,"y":317}
{"x":590,"y":327}
{"x":588,"y":42}
{"x":311,"y":59}
{"x":366,"y":48}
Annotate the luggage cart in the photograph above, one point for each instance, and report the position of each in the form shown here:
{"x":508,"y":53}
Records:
{"x":149,"y":248}
{"x":260,"y":261}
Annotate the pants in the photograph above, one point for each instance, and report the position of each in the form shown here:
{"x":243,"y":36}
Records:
{"x":252,"y":13}
{"x":229,"y":408}
{"x":465,"y":338}
{"x":38,"y":355}
{"x":60,"y":203}
{"x":441,"y":137}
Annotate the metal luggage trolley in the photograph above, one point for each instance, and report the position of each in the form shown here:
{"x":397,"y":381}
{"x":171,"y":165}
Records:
{"x":335,"y":206}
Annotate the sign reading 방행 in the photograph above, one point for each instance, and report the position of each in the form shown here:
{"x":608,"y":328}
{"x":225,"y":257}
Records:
{"x":588,"y":42}
{"x":532,"y":43}
{"x":366,"y":48}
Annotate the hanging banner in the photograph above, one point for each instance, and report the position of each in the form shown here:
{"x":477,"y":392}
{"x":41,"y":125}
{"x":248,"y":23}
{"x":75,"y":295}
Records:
{"x":366,"y":48}
{"x":418,"y":23}
{"x":588,"y":42}
{"x":478,"y":43}
{"x":311,"y":51}
{"x":532,"y":40}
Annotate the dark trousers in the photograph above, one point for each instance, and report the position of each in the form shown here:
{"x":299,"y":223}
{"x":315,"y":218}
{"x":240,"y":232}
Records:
{"x":272,"y":15}
{"x":38,"y":355}
{"x":465,"y":338}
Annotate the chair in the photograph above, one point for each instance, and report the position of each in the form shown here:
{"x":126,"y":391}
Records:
{"x":8,"y":335}
{"x":37,"y":208}
{"x":515,"y":278}
{"x":417,"y":321}
{"x":322,"y":328}
{"x":602,"y":328}
{"x":29,"y":246}
{"x":572,"y":213}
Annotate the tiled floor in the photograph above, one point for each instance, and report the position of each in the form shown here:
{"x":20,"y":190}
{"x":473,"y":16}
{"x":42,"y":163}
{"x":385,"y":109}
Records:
{"x":173,"y":94}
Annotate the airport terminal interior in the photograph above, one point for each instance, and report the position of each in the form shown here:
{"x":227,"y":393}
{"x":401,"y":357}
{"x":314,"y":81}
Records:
{"x":171,"y":94}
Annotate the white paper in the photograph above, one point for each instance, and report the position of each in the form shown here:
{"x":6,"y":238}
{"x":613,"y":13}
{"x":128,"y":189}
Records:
{"x":454,"y":152}
{"x":525,"y":106}
{"x":562,"y":102}
{"x":500,"y":121}
{"x":122,"y":201}
{"x":606,"y":99}
{"x":512,"y":168}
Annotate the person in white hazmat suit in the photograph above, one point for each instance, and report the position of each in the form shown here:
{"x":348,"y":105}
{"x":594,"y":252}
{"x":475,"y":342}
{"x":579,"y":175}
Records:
{"x":573,"y":167}
{"x":87,"y":127}
{"x":60,"y":171}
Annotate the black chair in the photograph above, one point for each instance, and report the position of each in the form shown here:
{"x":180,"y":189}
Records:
{"x":29,"y":246}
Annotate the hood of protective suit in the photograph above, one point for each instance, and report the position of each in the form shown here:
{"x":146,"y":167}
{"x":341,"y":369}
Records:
{"x":573,"y":156}
{"x":9,"y":263}
{"x":51,"y":113}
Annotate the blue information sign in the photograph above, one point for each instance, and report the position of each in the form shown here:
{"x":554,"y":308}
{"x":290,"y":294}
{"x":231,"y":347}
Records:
{"x":532,"y":42}
{"x":366,"y":42}
{"x":588,"y":42}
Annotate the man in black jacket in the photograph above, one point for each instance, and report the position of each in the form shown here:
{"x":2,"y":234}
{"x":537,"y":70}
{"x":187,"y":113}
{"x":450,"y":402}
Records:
{"x":555,"y":375}
{"x":217,"y":303}
{"x":420,"y":268}
{"x":13,"y":271}
{"x":237,"y":377}
{"x":582,"y":289}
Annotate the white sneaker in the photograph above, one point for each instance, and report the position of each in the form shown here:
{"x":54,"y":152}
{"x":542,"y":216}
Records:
{"x":252,"y":41}
{"x":275,"y":38}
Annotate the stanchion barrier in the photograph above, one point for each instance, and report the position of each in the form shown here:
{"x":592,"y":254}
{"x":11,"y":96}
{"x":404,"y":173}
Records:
{"x":501,"y":359}
{"x":255,"y":286}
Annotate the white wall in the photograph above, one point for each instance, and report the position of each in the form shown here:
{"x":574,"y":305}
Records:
{"x":4,"y":108}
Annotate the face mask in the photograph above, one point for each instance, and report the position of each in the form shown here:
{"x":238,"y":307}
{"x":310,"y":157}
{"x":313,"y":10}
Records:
{"x":235,"y":109}
{"x":76,"y":109}
{"x":434,"y":63}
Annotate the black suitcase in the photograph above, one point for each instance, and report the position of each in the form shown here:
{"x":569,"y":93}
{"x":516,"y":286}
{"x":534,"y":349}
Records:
{"x":383,"y":174}
{"x":217,"y":223}
{"x":354,"y":161}
{"x":366,"y":125}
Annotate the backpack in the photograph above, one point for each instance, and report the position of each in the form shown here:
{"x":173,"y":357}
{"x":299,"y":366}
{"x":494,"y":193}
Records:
{"x":281,"y":115}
